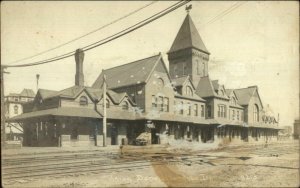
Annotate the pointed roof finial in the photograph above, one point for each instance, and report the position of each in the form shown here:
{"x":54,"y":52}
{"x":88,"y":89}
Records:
{"x":188,"y":8}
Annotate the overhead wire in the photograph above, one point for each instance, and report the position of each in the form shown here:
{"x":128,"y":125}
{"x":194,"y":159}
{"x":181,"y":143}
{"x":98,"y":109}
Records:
{"x":89,"y":33}
{"x":110,"y":38}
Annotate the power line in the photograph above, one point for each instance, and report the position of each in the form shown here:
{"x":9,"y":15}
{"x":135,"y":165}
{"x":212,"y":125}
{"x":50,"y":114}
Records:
{"x":89,"y":33}
{"x":224,"y":13}
{"x":110,"y":38}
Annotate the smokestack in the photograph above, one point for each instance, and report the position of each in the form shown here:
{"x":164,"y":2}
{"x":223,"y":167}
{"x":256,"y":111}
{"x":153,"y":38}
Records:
{"x":79,"y":77}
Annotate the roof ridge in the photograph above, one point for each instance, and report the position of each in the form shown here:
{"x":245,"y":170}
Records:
{"x":131,"y":62}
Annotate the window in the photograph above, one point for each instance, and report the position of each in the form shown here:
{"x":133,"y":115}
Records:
{"x":255,"y":113}
{"x":160,"y":82}
{"x":202,"y":110}
{"x":242,"y":115}
{"x":221,"y":111}
{"x":175,"y":70}
{"x":181,"y":107}
{"x":208,"y":110}
{"x":189,"y":109}
{"x":160,"y":103}
{"x":175,"y":107}
{"x":124,"y":105}
{"x":189,"y":91}
{"x":154,"y":102}
{"x":238,"y":115}
{"x":198,"y":67}
{"x":184,"y":69}
{"x":107,"y":103}
{"x":166,"y":104}
{"x":83,"y":101}
{"x":195,"y":110}
{"x":233,"y":114}
{"x":16,"y":109}
{"x":16,"y":99}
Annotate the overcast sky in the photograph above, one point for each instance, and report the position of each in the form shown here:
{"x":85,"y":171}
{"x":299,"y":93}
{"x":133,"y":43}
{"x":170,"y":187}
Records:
{"x":255,"y":44}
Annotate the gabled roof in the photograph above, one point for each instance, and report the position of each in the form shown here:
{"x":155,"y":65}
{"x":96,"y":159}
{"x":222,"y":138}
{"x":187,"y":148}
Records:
{"x":244,"y":95}
{"x":128,"y":74}
{"x":45,"y":93}
{"x":181,"y":80}
{"x":188,"y":37}
{"x":205,"y":88}
{"x":70,"y":92}
{"x":27,"y":93}
{"x":228,"y":91}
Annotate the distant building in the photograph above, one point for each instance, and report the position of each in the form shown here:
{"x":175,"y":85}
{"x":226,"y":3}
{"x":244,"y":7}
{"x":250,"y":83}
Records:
{"x":13,"y":104}
{"x":296,"y":129}
{"x":143,"y":96}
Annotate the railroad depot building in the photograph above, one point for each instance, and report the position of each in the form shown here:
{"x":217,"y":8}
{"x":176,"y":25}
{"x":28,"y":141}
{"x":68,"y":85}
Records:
{"x":145,"y":97}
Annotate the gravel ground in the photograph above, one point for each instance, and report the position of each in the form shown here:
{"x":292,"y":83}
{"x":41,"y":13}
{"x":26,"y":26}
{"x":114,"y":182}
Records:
{"x":275,"y":165}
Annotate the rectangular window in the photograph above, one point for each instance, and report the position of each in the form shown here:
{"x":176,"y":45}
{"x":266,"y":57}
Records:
{"x":233,"y":114}
{"x":189,"y":109}
{"x":161,"y":103}
{"x":175,"y":107}
{"x":153,"y":102}
{"x":166,"y":104}
{"x":238,"y":115}
{"x":195,"y":110}
{"x":242,"y":115}
{"x":208,"y":110}
{"x":181,"y":107}
{"x":219,"y":111}
{"x":202,"y":111}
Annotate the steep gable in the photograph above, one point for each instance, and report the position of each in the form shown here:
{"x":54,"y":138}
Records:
{"x":188,"y":37}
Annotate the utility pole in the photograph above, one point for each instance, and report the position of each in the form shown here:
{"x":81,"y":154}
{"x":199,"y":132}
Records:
{"x":3,"y":133}
{"x":104,"y":109}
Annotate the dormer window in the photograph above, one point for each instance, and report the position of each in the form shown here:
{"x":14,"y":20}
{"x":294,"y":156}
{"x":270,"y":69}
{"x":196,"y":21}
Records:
{"x":107,"y":103}
{"x":124,"y":105}
{"x":189,"y":91}
{"x":83,"y":101}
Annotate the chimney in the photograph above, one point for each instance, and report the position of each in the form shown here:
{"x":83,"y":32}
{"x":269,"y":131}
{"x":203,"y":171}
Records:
{"x":79,"y":77}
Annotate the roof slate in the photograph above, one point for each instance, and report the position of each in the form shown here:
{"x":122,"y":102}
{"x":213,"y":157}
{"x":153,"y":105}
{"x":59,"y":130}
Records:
{"x":128,"y":74}
{"x":188,"y":37}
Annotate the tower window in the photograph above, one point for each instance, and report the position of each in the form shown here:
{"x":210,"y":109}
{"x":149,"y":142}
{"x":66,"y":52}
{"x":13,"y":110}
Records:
{"x":184,"y":69}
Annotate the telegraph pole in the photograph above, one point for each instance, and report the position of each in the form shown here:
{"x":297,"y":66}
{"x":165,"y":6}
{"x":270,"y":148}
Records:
{"x":3,"y":134}
{"x":104,"y":109}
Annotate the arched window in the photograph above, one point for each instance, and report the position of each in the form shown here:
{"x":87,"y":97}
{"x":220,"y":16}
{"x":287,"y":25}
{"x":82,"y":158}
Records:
{"x":16,"y":109}
{"x":124,"y":105}
{"x":189,"y":91}
{"x":255,"y":113}
{"x":83,"y":101}
{"x":184,"y":69}
{"x":107,"y":103}
{"x":160,"y":82}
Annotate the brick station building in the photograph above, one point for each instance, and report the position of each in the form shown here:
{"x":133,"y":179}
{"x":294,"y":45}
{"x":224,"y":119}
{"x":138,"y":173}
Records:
{"x":181,"y":103}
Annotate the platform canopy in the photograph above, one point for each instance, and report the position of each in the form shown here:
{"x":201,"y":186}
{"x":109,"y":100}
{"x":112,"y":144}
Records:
{"x":65,"y":111}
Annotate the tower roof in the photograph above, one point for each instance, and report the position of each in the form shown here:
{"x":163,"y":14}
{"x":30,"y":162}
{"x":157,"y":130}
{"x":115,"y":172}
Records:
{"x":188,"y":37}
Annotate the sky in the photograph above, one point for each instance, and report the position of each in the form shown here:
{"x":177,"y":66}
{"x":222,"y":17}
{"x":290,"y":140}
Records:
{"x":257,"y":43}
